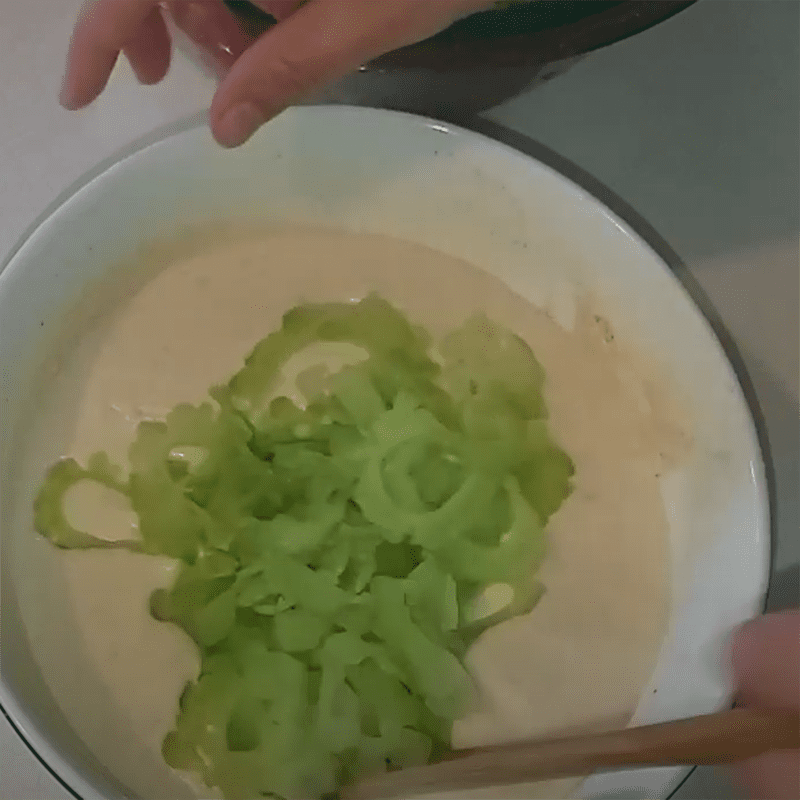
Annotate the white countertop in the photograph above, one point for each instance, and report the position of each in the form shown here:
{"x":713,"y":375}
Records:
{"x":693,"y":123}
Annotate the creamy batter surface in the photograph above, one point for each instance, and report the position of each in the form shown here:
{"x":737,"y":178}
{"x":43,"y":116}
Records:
{"x":184,"y":321}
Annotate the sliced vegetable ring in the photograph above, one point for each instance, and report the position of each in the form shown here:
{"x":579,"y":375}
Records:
{"x":334,"y":555}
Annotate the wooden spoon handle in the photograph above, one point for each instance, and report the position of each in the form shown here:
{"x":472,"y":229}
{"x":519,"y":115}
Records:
{"x":709,"y":739}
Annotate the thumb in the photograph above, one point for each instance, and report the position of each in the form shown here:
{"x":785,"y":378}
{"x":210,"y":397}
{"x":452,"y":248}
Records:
{"x":321,"y":41}
{"x":766,"y":660}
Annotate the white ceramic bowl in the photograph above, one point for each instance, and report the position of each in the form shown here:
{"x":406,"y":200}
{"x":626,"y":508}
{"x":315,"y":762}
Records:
{"x":463,"y":194}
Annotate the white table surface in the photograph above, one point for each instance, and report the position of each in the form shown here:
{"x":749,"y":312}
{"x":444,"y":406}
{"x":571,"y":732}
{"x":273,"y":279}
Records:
{"x":693,"y":123}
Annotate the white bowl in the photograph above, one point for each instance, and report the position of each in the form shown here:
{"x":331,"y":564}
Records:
{"x":461,"y":193}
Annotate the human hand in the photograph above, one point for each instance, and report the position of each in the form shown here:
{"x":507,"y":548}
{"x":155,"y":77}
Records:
{"x":766,"y":663}
{"x":314,"y":43}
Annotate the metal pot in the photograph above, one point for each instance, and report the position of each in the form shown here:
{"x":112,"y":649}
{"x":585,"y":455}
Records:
{"x":486,"y":58}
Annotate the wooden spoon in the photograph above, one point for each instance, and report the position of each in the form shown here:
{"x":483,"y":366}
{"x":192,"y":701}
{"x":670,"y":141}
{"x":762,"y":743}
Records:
{"x":709,"y":739}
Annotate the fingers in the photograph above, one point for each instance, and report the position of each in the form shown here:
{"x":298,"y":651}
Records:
{"x":102,"y":31}
{"x":774,"y":775}
{"x":766,"y":660}
{"x":210,"y":25}
{"x":150,"y":50}
{"x":280,"y":9}
{"x":319,"y":42}
{"x":312,"y":45}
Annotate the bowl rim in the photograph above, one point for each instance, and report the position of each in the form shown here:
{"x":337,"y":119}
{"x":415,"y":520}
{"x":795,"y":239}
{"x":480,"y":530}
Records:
{"x":493,"y":134}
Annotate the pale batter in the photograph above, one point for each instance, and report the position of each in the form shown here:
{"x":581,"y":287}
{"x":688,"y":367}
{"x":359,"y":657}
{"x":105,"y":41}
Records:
{"x":579,"y":660}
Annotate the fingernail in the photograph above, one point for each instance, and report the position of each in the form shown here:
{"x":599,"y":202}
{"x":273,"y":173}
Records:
{"x":239,"y":124}
{"x":67,"y":97}
{"x":721,"y":658}
{"x":743,"y":645}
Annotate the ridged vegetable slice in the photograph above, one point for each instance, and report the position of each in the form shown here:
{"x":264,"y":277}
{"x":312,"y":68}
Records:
{"x":335,"y":557}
